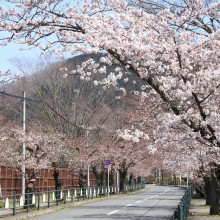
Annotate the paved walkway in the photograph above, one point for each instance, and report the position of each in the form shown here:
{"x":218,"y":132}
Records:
{"x":199,"y":211}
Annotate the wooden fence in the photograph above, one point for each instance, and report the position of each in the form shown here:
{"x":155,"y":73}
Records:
{"x":10,"y":179}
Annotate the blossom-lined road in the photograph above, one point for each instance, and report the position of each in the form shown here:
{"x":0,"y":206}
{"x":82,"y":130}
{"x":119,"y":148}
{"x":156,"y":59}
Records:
{"x":155,"y":202}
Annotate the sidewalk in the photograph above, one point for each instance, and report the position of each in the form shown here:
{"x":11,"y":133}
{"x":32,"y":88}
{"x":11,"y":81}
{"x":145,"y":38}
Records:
{"x":199,"y":211}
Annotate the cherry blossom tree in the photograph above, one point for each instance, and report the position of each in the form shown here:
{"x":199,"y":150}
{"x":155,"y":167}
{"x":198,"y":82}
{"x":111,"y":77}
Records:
{"x":39,"y":152}
{"x":175,"y":52}
{"x":129,"y":155}
{"x":53,"y":100}
{"x":118,"y":134}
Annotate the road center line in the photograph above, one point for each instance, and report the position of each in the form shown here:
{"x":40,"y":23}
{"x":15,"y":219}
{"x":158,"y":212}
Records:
{"x":112,"y":212}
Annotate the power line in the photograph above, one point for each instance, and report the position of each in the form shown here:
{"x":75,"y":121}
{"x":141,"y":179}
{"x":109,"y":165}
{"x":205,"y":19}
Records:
{"x":49,"y":106}
{"x":18,"y":97}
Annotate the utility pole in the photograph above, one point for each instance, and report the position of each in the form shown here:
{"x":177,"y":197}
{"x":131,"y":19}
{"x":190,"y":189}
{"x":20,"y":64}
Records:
{"x":23,"y":144}
{"x":88,"y":174}
{"x":88,"y":179}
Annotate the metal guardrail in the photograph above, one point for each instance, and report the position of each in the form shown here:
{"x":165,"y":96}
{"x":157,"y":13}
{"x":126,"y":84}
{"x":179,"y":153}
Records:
{"x":182,"y":211}
{"x":129,"y":188}
{"x":36,"y":200}
{"x":170,"y":182}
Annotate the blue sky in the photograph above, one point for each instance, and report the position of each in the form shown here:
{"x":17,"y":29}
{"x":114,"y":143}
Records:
{"x":11,"y":51}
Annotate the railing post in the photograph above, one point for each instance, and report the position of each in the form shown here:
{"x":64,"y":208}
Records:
{"x":38,"y":201}
{"x":14,"y":203}
{"x":78,"y":196}
{"x":71,"y":194}
{"x":180,"y":211}
{"x":48,"y":199}
{"x":57,"y":195}
{"x":65,"y":194}
{"x":28,"y":199}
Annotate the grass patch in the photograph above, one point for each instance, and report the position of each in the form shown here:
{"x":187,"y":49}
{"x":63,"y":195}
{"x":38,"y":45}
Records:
{"x":2,"y":204}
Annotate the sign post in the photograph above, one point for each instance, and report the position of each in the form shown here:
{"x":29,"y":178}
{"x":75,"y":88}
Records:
{"x":108,"y":179}
{"x":117,"y":181}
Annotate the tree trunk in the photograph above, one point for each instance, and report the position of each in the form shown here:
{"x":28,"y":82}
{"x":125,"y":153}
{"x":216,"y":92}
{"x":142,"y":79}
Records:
{"x":122,"y":174}
{"x":208,"y":189}
{"x":139,"y":179}
{"x":174,"y":177}
{"x":96,"y":174}
{"x":111,"y":178}
{"x":130,"y":179}
{"x":102,"y":178}
{"x":215,"y":196}
{"x":82,"y":178}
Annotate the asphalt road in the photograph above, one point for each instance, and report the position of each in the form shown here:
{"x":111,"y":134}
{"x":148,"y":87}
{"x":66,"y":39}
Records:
{"x":154,"y":203}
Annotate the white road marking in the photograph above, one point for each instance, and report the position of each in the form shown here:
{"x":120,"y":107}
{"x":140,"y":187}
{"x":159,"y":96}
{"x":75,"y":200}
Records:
{"x":154,"y":196}
{"x":138,"y":201}
{"x":165,"y":191}
{"x":112,"y":212}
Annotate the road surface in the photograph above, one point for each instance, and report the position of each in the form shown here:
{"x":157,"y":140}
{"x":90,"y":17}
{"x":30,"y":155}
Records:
{"x":154,"y":203}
